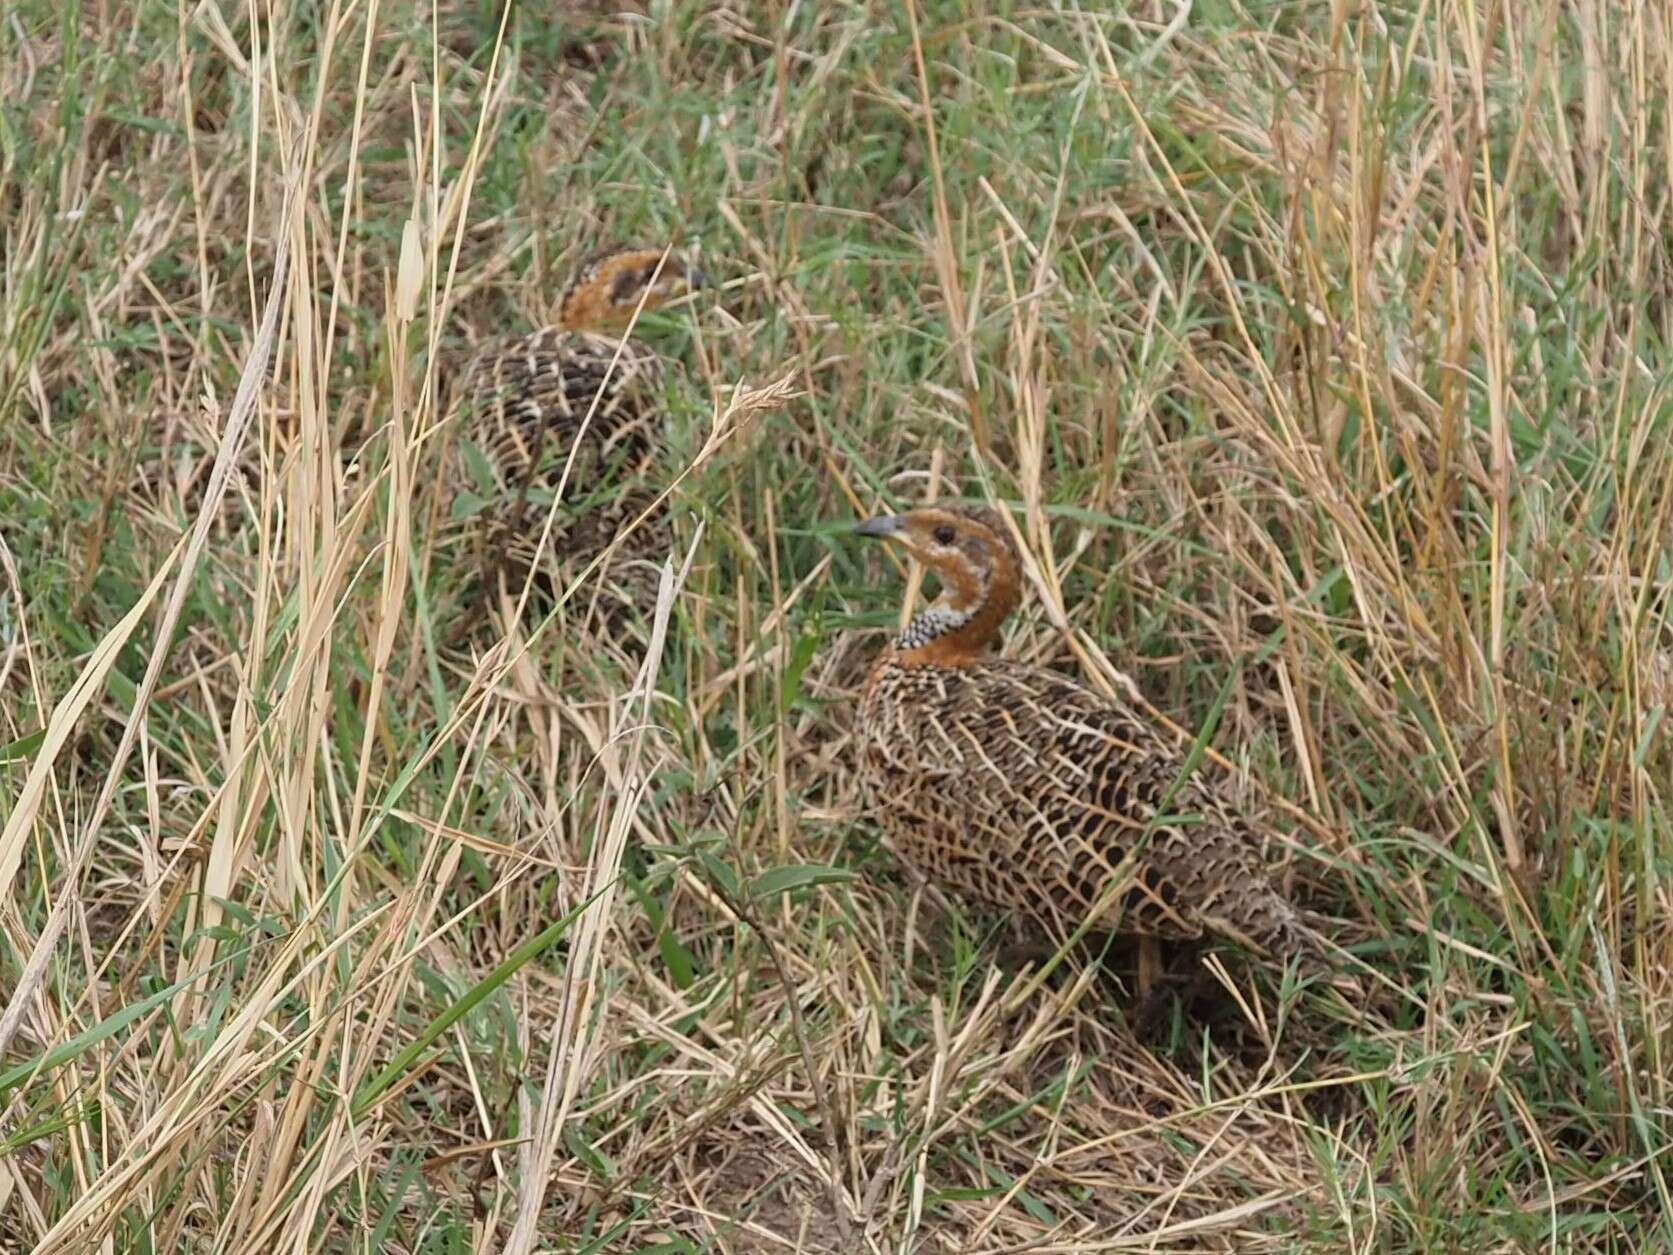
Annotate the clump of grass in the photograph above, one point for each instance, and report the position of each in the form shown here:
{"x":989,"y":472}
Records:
{"x":1321,"y":354}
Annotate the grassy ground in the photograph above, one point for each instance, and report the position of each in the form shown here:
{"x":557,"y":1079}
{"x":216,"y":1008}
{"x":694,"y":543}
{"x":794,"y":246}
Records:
{"x":1322,"y":350}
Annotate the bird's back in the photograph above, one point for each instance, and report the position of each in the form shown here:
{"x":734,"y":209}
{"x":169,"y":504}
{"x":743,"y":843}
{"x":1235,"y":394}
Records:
{"x":1027,"y":792}
{"x":535,"y":405}
{"x":528,"y":399}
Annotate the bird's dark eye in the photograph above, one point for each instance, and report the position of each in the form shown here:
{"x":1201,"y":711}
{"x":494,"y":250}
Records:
{"x":944,"y":535}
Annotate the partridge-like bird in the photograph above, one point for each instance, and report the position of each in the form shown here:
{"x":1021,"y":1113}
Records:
{"x":1026,"y":791}
{"x":574,"y":390}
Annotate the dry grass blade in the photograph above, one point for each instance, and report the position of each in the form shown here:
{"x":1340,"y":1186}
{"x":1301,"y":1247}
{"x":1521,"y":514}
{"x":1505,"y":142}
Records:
{"x":583,"y":1004}
{"x":238,"y":421}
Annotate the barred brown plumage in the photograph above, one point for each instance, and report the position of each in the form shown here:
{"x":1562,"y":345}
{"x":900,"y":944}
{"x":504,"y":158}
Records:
{"x":1028,"y":792}
{"x":570,"y":405}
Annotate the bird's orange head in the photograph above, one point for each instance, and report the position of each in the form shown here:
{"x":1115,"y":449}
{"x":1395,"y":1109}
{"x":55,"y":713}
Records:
{"x":969,"y":551}
{"x":613,"y":286}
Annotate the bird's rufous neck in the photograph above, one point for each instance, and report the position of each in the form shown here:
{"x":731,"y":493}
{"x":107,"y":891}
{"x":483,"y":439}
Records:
{"x":586,"y":308}
{"x":964,"y":622}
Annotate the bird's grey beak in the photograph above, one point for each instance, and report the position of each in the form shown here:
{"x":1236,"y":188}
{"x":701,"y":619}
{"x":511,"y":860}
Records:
{"x":882,"y":527}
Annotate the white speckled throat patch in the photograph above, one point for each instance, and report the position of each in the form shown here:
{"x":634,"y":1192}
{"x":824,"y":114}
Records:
{"x":933,"y":622}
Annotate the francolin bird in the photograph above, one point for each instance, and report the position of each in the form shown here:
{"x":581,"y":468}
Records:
{"x":1028,"y":792}
{"x":573,"y":406}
